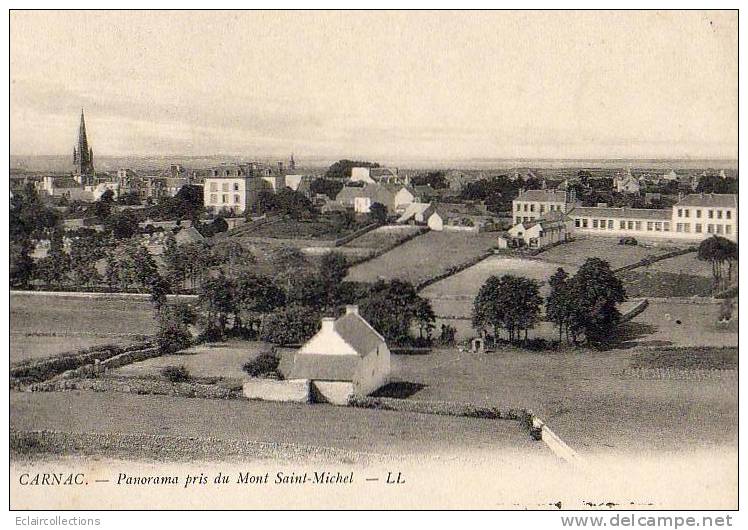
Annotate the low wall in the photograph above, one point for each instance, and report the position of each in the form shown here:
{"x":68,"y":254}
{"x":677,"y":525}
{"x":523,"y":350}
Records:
{"x":381,"y":251}
{"x":358,"y":233}
{"x":293,"y":390}
{"x":654,"y":259}
{"x":442,"y":408}
{"x":454,"y":270}
{"x":132,"y":385}
{"x":635,"y":311}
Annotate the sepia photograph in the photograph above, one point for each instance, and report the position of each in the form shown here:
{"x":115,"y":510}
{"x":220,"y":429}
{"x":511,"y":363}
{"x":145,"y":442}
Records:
{"x":374,"y":260}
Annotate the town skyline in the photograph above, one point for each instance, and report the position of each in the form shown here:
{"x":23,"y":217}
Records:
{"x":576,"y":93}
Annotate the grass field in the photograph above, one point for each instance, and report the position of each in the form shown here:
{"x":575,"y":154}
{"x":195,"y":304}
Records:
{"x":223,"y":360}
{"x":686,"y":264}
{"x":684,"y":324}
{"x":692,"y":359}
{"x":366,"y":430}
{"x":645,"y":282}
{"x":42,"y":325}
{"x":606,"y":248}
{"x":424,"y":257}
{"x":582,"y":397}
{"x":382,"y":237}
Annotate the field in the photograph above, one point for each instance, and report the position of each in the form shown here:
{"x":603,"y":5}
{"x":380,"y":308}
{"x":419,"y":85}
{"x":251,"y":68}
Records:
{"x":645,"y":282}
{"x":365,"y":430}
{"x":685,"y":264}
{"x":685,"y":324}
{"x":222,"y":360}
{"x":583,"y":397}
{"x":454,"y":295}
{"x":424,"y":257}
{"x":43,"y":325}
{"x":606,"y":248}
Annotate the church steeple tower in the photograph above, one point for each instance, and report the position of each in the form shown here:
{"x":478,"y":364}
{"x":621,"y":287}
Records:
{"x":83,"y":155}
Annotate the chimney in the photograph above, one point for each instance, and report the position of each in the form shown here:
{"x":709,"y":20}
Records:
{"x":280,"y":167}
{"x":351,"y":310}
{"x":328,"y":323}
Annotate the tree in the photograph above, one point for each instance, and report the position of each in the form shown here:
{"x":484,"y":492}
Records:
{"x":21,"y":263}
{"x":53,"y":268}
{"x":378,"y":212}
{"x":255,"y":297}
{"x":333,"y":268}
{"x":558,"y":305}
{"x":232,"y":257}
{"x":391,"y":309}
{"x":84,"y":253}
{"x":342,"y":168}
{"x":123,"y":225}
{"x":594,"y":293}
{"x":435,"y":179}
{"x":719,"y":251}
{"x":290,"y":325}
{"x":511,"y":303}
{"x":326,"y":186}
{"x":217,"y":302}
{"x":425,"y":318}
{"x":173,"y":334}
{"x":175,"y":264}
{"x":146,"y":270}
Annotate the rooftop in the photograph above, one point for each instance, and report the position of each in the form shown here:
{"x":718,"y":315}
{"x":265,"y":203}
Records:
{"x":720,"y":200}
{"x":542,"y":196}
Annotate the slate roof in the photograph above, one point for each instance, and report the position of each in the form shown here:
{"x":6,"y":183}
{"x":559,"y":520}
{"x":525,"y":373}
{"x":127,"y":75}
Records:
{"x":355,"y":331}
{"x":542,"y":196}
{"x":720,"y":200}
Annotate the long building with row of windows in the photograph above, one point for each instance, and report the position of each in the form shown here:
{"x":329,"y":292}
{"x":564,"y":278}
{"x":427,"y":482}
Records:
{"x":695,"y":216}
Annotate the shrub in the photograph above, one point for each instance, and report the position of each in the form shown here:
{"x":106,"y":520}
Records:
{"x":264,"y":365}
{"x":173,"y":334}
{"x":176,"y":374}
{"x":290,"y":325}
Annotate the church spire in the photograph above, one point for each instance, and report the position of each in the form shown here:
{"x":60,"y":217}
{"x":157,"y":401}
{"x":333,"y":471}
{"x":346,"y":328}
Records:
{"x":83,"y":162}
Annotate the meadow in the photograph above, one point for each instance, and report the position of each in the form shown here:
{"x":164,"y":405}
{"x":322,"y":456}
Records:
{"x":43,"y":325}
{"x":424,"y":257}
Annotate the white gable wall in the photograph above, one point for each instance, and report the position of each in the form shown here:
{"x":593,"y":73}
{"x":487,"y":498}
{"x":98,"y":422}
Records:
{"x":327,"y":342}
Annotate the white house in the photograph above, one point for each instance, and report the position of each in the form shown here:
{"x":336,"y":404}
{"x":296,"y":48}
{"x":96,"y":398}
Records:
{"x":555,"y":227}
{"x":347,"y":357}
{"x":419,"y":212}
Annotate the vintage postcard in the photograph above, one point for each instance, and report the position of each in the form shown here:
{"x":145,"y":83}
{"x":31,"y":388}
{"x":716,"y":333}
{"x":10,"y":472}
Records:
{"x":373,"y":260}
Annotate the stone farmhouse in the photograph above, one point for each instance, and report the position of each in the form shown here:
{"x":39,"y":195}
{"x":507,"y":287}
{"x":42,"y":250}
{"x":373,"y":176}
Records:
{"x":346,"y":358}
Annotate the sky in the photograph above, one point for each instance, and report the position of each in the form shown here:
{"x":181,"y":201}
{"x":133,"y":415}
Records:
{"x":426,"y":85}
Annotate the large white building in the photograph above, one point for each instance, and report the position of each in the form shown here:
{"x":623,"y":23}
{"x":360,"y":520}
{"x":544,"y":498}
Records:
{"x":695,"y":216}
{"x":534,"y":204}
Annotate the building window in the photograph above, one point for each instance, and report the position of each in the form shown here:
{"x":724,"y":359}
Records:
{"x":649,"y":226}
{"x":519,"y":207}
{"x":686,"y":227}
{"x":213,"y":198}
{"x":698,"y":214}
{"x":584,"y":223}
{"x":236,"y":186}
{"x":638,"y":225}
{"x":594,"y":223}
{"x":658,"y":227}
{"x":679,"y":227}
{"x":686,"y":212}
{"x":532,"y":207}
{"x":719,"y":214}
{"x":710,"y":228}
{"x":680,"y":212}
{"x":213,"y":186}
{"x":711,"y":214}
{"x":728,"y":214}
{"x":610,"y":224}
{"x":525,"y":207}
{"x":666,"y":226}
{"x":225,"y":186}
{"x":237,"y":199}
{"x":622,"y":225}
{"x":224,"y":198}
{"x":578,"y":223}
{"x":697,"y":228}
{"x":631,"y":225}
{"x":519,"y":220}
{"x":719,"y":229}
{"x":728,"y":229}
